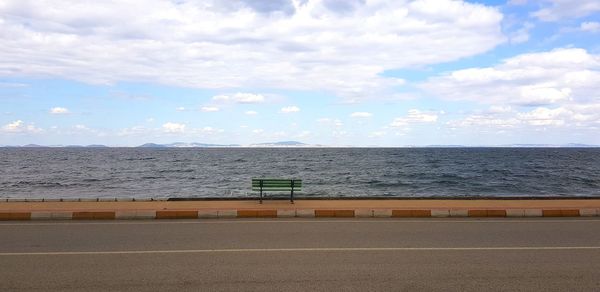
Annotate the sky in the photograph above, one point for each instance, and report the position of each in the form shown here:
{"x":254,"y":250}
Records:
{"x":329,"y":72}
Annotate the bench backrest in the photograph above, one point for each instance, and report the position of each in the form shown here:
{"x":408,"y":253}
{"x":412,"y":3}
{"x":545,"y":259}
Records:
{"x":276,"y":184}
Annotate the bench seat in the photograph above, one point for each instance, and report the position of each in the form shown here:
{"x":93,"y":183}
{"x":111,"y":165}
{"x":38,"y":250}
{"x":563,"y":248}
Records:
{"x":276,"y":185}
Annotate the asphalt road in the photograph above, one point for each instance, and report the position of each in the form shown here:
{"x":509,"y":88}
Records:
{"x":309,"y":255}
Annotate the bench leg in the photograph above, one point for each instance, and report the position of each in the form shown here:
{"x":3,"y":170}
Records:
{"x":260,"y":196}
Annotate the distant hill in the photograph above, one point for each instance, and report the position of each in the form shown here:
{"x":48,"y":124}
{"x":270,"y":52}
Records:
{"x":298,"y":144}
{"x":570,"y":145}
{"x":185,"y":145}
{"x":32,"y":146}
{"x":205,"y":145}
{"x":580,"y":145}
{"x":445,"y":146}
{"x":152,"y":145}
{"x":281,"y":144}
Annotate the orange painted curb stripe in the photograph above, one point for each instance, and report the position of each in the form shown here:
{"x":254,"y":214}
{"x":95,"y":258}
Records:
{"x":176,"y":214}
{"x":561,"y":213}
{"x":487,"y":213}
{"x":15,"y":216}
{"x":93,"y":215}
{"x":256,"y":213}
{"x":334,"y":213}
{"x":411,"y":213}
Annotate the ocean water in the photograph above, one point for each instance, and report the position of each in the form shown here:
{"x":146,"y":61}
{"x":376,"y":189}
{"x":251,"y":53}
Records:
{"x":335,"y":172}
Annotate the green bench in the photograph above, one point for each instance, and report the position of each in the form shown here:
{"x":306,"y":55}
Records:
{"x":276,"y":185}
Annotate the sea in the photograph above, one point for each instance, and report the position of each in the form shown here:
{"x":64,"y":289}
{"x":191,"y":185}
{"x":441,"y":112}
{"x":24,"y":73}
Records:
{"x":326,"y":172}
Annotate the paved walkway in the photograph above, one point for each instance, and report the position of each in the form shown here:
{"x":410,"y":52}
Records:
{"x":302,"y":204}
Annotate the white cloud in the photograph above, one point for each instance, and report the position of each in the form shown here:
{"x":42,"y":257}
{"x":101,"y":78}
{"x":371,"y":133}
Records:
{"x":290,"y":109}
{"x":361,"y":115}
{"x":517,"y":2}
{"x":79,"y":130}
{"x":303,"y":134}
{"x":169,"y":129}
{"x":19,"y":126}
{"x":13,"y":127}
{"x":414,"y":116}
{"x":59,"y":111}
{"x":221,"y":98}
{"x":180,"y":109}
{"x":477,"y":121}
{"x":544,"y":117}
{"x":216,"y":44}
{"x":209,"y":109}
{"x":206,"y":131}
{"x":591,"y":26}
{"x":133,"y":131}
{"x":377,"y":134}
{"x":496,"y":109}
{"x":569,"y":117}
{"x":12,"y":84}
{"x":328,"y":121}
{"x":173,"y":127}
{"x":240,"y":97}
{"x":248,"y":98}
{"x":563,"y":9}
{"x":251,"y":113}
{"x":521,"y":35}
{"x":258,"y":131}
{"x":556,"y":77}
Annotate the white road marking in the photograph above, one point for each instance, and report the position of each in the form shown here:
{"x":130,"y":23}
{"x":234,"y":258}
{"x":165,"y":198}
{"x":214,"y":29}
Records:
{"x":322,"y":249}
{"x":316,"y":220}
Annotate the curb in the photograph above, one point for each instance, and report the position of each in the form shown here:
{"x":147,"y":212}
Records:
{"x":294,"y":213}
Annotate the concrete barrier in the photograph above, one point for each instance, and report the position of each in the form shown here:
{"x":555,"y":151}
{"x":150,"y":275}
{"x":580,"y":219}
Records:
{"x":440,"y":213}
{"x":15,"y":216}
{"x":560,"y":213}
{"x":363,"y":213}
{"x":533,"y":213}
{"x":52,"y":215}
{"x":334,"y":213}
{"x":135,"y":214}
{"x":459,"y":213}
{"x":305,"y":213}
{"x":94,"y":215}
{"x":486,"y":213}
{"x":256,"y":213}
{"x":227,"y":213}
{"x":382,"y":213}
{"x":173,"y":214}
{"x":287,"y":212}
{"x":208,"y":214}
{"x":587,"y":212}
{"x":411,"y":213}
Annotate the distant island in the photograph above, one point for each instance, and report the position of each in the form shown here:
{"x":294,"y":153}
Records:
{"x":188,"y":145}
{"x":291,"y":144}
{"x":173,"y":145}
{"x":184,"y":145}
{"x":56,"y":146}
